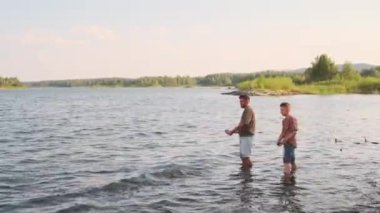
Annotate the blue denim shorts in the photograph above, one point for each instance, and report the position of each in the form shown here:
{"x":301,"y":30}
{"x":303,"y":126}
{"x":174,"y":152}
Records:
{"x":289,"y":156}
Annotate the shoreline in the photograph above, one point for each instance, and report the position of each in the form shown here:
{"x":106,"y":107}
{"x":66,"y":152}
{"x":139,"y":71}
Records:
{"x":118,"y":87}
{"x":284,"y":93}
{"x":263,"y":93}
{"x":12,"y":88}
{"x":228,"y":90}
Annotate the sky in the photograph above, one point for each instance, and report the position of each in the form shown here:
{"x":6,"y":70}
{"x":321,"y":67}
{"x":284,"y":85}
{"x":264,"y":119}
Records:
{"x":71,"y":39}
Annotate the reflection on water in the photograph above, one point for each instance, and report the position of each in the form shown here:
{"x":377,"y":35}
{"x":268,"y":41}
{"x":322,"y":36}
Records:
{"x":164,"y":150}
{"x":288,"y":194}
{"x":246,"y":193}
{"x":285,"y":191}
{"x":289,"y":179}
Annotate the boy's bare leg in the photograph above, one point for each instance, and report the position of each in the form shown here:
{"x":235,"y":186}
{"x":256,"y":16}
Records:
{"x":287,"y":169}
{"x":294,"y":167}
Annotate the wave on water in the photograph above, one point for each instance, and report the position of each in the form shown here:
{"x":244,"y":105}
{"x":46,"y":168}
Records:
{"x":132,"y":184}
{"x":162,"y":175}
{"x":159,"y":176}
{"x":81,"y":208}
{"x":159,"y":133}
{"x":164,"y":150}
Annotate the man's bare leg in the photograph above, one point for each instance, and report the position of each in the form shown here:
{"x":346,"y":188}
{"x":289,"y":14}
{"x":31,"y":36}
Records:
{"x":246,"y":162}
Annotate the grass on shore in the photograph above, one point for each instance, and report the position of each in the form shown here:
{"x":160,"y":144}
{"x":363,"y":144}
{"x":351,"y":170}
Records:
{"x":12,"y":88}
{"x":367,"y":85}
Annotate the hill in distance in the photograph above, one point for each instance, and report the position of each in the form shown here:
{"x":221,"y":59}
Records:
{"x":359,"y":66}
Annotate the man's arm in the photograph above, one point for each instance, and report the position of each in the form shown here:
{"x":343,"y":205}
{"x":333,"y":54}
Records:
{"x":236,"y":129}
{"x":245,"y":120}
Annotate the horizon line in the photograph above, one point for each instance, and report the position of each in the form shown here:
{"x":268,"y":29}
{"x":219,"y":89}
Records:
{"x":152,"y":76}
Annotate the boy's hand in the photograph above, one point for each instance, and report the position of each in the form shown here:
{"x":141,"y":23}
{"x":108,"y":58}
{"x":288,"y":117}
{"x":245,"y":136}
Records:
{"x":294,"y":145}
{"x":228,"y":132}
{"x":280,"y":142}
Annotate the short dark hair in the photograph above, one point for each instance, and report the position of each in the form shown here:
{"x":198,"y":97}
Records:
{"x":284,"y":104}
{"x":244,"y":96}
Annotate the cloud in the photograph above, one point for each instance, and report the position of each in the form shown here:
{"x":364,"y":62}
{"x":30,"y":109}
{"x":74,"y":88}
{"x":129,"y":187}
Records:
{"x":37,"y":37}
{"x":97,"y":51}
{"x":96,"y":32}
{"x":74,"y":36}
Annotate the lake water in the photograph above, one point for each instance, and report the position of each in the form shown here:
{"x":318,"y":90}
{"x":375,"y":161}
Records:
{"x":165,"y":150}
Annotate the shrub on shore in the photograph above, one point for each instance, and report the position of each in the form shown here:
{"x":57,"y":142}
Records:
{"x":361,"y":85}
{"x":271,"y":83}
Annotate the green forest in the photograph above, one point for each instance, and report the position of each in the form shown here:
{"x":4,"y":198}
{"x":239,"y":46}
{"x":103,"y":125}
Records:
{"x":217,"y":80}
{"x":10,"y":83}
{"x":322,"y":77}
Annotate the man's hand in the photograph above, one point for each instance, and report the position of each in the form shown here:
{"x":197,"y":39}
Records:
{"x":228,"y":132}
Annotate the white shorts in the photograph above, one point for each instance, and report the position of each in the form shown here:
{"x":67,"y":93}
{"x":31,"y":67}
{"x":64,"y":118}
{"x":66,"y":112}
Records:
{"x":246,"y":146}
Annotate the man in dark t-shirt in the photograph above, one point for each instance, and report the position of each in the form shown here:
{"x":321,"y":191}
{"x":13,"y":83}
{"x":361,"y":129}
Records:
{"x":246,"y":131}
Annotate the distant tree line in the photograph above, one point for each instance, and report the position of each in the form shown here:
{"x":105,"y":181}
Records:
{"x":163,"y":81}
{"x":221,"y":79}
{"x":232,"y":79}
{"x":9,"y":82}
{"x":105,"y":82}
{"x":322,"y":69}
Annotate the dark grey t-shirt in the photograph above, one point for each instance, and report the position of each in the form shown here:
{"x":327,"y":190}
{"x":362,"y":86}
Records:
{"x":249,"y":123}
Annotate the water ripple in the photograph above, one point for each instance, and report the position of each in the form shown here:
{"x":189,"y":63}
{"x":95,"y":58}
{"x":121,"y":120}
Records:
{"x":164,"y":150}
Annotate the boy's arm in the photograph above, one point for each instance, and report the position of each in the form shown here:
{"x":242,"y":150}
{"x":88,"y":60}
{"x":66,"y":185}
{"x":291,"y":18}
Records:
{"x":279,"y":138}
{"x":287,"y":137}
{"x":294,"y":127}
